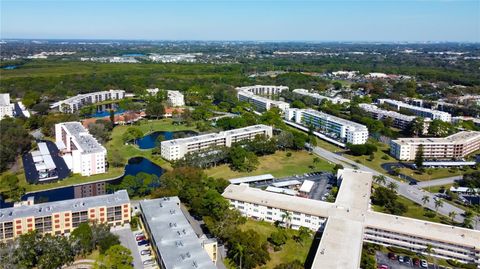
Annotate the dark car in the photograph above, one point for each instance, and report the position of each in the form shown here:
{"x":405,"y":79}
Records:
{"x":143,"y":242}
{"x":392,"y":256}
{"x":140,"y":238}
{"x":407,"y":259}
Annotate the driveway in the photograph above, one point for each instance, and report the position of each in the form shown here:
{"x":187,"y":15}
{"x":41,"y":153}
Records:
{"x":127,"y":239}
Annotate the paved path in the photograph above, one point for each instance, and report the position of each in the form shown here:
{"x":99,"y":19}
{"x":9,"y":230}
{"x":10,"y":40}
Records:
{"x":439,"y":182}
{"x":411,"y":192}
{"x":127,"y":240}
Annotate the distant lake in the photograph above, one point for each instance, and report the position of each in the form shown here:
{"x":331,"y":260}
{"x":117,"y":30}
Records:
{"x":149,"y":141}
{"x":10,"y":67}
{"x":133,"y":55}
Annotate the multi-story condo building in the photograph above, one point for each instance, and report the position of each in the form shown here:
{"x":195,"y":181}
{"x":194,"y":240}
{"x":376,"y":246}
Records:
{"x":260,"y":103}
{"x":455,"y":146}
{"x":263,"y":90}
{"x":175,"y":98}
{"x":419,"y":111}
{"x":64,"y":216}
{"x":399,"y":120}
{"x":319,"y":98}
{"x":348,"y":222}
{"x":74,"y":104}
{"x":340,"y":129}
{"x":81,"y":151}
{"x":6,"y":108}
{"x":173,"y":239}
{"x":177,"y":148}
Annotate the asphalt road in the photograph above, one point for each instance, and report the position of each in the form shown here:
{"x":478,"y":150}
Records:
{"x":411,"y":192}
{"x":439,"y":182}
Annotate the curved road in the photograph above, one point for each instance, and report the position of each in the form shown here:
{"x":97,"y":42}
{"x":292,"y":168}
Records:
{"x":411,"y":192}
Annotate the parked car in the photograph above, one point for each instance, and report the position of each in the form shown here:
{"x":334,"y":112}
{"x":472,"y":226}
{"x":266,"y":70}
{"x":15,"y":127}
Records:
{"x":142,"y":243}
{"x":139,"y":234}
{"x":148,"y":262}
{"x":407,"y":259}
{"x":424,"y":264}
{"x":400,"y":259}
{"x":383,"y":266}
{"x":140,"y":238}
{"x":392,"y":256}
{"x":146,"y":252}
{"x":416,"y":261}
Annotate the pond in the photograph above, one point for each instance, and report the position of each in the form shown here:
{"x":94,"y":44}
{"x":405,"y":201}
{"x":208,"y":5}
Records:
{"x":149,"y":141}
{"x":133,"y":55}
{"x":133,"y":167}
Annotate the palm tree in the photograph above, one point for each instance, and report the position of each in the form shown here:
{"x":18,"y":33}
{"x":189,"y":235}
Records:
{"x":287,"y":218}
{"x":238,"y":253}
{"x":452,"y":215}
{"x":380,"y":179}
{"x":438,"y":203}
{"x":425,"y":199}
{"x":430,"y":251}
{"x":392,"y":186}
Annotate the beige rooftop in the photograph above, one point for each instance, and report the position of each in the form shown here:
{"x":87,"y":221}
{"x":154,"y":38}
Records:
{"x":342,"y":238}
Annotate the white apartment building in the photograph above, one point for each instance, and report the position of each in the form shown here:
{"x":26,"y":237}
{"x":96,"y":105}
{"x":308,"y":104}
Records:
{"x":455,"y":146}
{"x":400,"y":121}
{"x":340,"y":129}
{"x":260,"y":103}
{"x":319,"y":98}
{"x":74,"y":104}
{"x":177,"y":148}
{"x":348,"y":222}
{"x":175,"y":98}
{"x":6,"y":108}
{"x":419,"y":111}
{"x":263,"y":89}
{"x":81,"y":151}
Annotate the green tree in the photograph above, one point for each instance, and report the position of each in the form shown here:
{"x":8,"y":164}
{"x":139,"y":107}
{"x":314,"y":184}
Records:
{"x":296,"y":264}
{"x":117,"y":257}
{"x":155,"y":109}
{"x":438,"y":203}
{"x":419,"y":157}
{"x":56,"y":251}
{"x":132,"y":134}
{"x":440,"y":128}
{"x":393,"y":186}
{"x":287,"y":218}
{"x":425,"y":199}
{"x":11,"y":187}
{"x":112,"y":116}
{"x":452,"y":215}
{"x":416,"y":126}
{"x":242,"y":160}
{"x":15,"y":140}
{"x":380,"y":179}
{"x":278,"y":237}
{"x":82,"y":238}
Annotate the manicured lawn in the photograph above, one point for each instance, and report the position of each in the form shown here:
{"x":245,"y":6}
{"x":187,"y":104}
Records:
{"x":278,"y":164}
{"x":290,"y":251}
{"x":415,"y":211}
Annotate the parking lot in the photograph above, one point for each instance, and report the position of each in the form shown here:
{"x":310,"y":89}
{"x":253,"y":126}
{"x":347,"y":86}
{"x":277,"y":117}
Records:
{"x":382,"y":259}
{"x":320,"y":190}
{"x":127,"y":239}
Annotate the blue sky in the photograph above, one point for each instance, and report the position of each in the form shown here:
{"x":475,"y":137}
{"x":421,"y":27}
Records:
{"x":320,"y":20}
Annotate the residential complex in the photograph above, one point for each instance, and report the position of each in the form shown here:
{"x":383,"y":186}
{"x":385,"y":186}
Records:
{"x":263,"y":90}
{"x":340,"y":129}
{"x":175,"y":98}
{"x":319,"y":98}
{"x":419,"y":111}
{"x":63,"y":216}
{"x":455,"y":146}
{"x":74,"y":104}
{"x":173,"y":239}
{"x":81,"y":151}
{"x":399,"y":120}
{"x":6,"y":108}
{"x":348,"y":222}
{"x":260,"y":103}
{"x":177,"y":148}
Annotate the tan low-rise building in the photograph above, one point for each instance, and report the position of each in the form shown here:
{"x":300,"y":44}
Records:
{"x":62,"y":217}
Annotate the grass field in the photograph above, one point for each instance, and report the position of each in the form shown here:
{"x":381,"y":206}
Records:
{"x":278,"y":164}
{"x":290,"y":251}
{"x":415,"y":211}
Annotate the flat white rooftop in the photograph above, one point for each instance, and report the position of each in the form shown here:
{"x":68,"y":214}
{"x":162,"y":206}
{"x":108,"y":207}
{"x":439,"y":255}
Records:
{"x":251,"y":179}
{"x":457,"y":138}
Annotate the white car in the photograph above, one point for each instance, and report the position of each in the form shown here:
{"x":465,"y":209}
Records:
{"x":424,"y":263}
